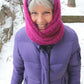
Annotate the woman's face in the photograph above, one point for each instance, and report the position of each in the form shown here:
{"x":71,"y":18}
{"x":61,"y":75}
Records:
{"x":41,"y":16}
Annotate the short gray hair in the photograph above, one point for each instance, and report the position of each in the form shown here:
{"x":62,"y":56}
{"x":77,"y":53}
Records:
{"x":45,"y":3}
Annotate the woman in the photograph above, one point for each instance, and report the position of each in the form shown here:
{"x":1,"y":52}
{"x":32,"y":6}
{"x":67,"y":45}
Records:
{"x":46,"y":51}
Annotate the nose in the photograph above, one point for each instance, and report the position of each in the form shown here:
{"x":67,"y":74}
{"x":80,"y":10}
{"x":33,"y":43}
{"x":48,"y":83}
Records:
{"x":40,"y":19}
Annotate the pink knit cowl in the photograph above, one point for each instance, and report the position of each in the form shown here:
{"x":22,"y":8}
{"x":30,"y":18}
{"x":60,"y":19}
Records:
{"x":54,"y":31}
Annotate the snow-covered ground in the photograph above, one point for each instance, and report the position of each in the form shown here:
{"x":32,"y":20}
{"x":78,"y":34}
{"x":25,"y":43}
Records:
{"x":6,"y":65}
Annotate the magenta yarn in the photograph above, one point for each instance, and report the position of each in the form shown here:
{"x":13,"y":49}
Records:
{"x":54,"y":31}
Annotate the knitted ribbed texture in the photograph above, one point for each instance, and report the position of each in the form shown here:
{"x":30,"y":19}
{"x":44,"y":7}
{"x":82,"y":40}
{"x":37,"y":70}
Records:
{"x":54,"y":31}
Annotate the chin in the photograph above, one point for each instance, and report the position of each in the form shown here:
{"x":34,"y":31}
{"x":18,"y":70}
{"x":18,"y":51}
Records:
{"x":41,"y":30}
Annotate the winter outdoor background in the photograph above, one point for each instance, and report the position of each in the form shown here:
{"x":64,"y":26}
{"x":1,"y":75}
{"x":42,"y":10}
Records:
{"x":6,"y":54}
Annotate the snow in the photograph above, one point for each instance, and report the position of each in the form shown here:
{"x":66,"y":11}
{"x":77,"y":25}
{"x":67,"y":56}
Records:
{"x":6,"y":61}
{"x":78,"y":10}
{"x":1,"y":3}
{"x":8,"y":23}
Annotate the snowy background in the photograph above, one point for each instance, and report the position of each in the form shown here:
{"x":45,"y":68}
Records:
{"x":6,"y":54}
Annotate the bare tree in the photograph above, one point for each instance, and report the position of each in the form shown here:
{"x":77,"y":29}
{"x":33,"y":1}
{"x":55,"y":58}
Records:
{"x":71,"y":3}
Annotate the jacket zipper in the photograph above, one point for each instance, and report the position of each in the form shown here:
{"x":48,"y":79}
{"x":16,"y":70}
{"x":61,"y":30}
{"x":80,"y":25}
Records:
{"x":49,"y":52}
{"x":49,"y":47}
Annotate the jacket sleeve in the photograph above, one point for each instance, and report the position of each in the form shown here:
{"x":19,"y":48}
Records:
{"x":18,"y":67}
{"x":75,"y":63}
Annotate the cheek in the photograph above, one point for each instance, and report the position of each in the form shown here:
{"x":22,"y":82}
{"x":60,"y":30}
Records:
{"x":49,"y":19}
{"x":33,"y":18}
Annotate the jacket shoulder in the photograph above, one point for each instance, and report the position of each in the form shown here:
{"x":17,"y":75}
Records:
{"x":71,"y":37}
{"x":21,"y":35}
{"x":70,"y":34}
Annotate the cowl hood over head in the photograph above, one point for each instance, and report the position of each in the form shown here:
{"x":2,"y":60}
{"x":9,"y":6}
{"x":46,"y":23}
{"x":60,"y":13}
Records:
{"x":54,"y":31}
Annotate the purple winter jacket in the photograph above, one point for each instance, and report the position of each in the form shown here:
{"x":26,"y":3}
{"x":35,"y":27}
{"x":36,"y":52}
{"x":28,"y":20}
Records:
{"x":35,"y":65}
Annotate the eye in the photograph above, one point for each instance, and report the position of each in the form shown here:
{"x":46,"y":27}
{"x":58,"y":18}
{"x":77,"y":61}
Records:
{"x":46,"y":12}
{"x":33,"y":12}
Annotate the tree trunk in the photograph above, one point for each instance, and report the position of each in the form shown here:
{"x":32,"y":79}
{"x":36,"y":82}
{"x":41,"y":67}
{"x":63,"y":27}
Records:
{"x":71,"y":3}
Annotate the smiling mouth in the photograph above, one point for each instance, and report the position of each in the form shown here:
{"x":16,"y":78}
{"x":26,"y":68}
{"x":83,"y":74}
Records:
{"x":41,"y":26}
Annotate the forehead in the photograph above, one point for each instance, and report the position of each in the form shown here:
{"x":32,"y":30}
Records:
{"x":41,"y":8}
